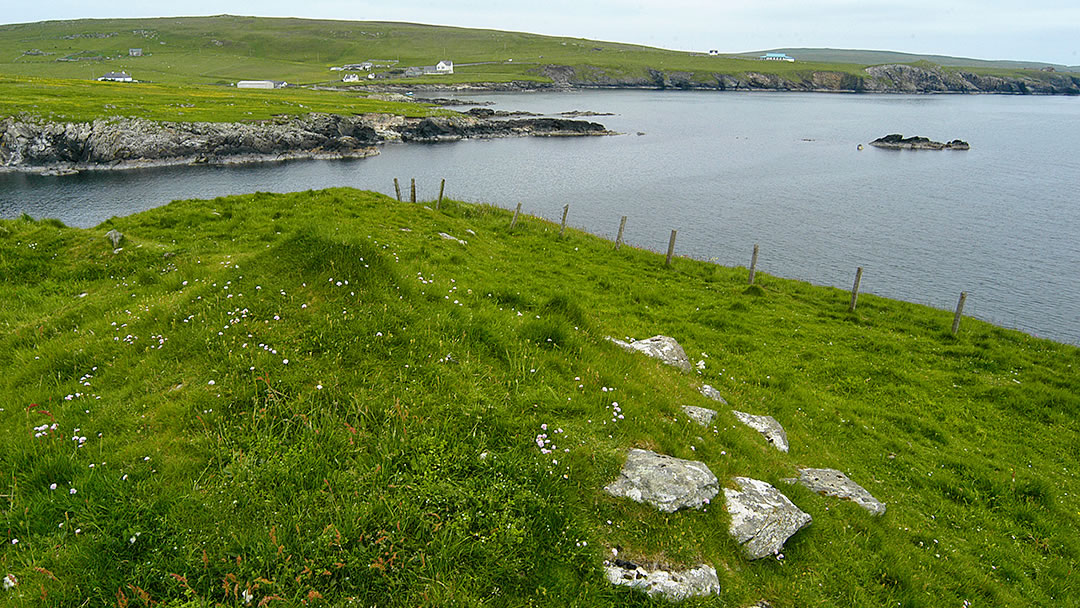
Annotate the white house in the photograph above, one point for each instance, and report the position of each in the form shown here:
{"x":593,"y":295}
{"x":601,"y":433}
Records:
{"x":444,"y":67}
{"x":117,"y":77}
{"x":776,"y":57}
{"x":351,"y":78}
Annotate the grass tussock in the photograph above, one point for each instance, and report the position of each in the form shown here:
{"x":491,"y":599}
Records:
{"x":314,"y":398}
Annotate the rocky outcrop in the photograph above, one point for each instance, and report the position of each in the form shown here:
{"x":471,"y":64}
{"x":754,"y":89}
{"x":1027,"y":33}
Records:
{"x":666,"y":349}
{"x":890,"y":78}
{"x":665,"y":482}
{"x":767,"y":426}
{"x":701,"y":415}
{"x":453,"y":128}
{"x":831,"y":482}
{"x":762,"y":518}
{"x":670,"y":585}
{"x":27,"y":144}
{"x":899,"y":142}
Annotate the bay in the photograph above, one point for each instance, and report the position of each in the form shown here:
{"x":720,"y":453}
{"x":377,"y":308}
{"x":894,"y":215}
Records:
{"x":728,"y":170}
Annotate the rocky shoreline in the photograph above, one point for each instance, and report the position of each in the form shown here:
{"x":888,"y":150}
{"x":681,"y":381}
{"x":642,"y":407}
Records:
{"x":51,"y":148}
{"x":888,"y":78}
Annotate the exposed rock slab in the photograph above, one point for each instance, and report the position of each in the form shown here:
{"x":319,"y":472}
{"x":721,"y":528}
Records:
{"x":701,"y":415}
{"x":675,"y":586}
{"x":666,"y":482}
{"x":762,"y":518}
{"x":712,"y":393}
{"x":767,"y":426}
{"x":663,"y":348}
{"x":831,"y":482}
{"x":899,"y":142}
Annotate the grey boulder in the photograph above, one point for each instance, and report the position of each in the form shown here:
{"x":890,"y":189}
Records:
{"x":701,"y":415}
{"x":762,"y":518}
{"x":115,"y":237}
{"x":831,"y":482}
{"x":712,"y":393}
{"x":767,"y":426}
{"x":674,"y":586}
{"x":666,"y":482}
{"x":666,"y":349}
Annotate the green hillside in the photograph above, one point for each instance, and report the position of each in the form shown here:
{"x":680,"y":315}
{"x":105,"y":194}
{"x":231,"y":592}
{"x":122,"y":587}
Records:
{"x":224,"y":49}
{"x":319,"y":399}
{"x":866,"y":57}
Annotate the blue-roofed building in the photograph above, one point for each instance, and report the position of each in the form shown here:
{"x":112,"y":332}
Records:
{"x":776,"y":57}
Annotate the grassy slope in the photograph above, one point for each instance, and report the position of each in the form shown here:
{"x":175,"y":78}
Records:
{"x":188,"y":58}
{"x":393,"y":457}
{"x":879,"y":57}
{"x":223,"y":49}
{"x":79,"y":101}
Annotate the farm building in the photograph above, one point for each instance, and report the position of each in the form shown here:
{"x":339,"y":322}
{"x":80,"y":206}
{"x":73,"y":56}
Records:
{"x":116,"y":77}
{"x":261,"y":84}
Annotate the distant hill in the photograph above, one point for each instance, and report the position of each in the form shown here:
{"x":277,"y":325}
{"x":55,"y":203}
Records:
{"x":222,"y":50}
{"x":866,"y":57}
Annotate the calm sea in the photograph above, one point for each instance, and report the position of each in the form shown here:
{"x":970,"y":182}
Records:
{"x":728,"y":170}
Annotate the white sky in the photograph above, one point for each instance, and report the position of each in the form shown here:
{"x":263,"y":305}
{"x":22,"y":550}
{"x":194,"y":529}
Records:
{"x":1036,"y":30}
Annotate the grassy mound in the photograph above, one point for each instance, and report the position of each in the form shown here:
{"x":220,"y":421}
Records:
{"x":315,"y":397}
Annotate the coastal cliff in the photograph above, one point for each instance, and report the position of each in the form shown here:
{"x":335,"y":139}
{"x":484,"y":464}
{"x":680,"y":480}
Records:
{"x":889,"y":78}
{"x":32,"y":145}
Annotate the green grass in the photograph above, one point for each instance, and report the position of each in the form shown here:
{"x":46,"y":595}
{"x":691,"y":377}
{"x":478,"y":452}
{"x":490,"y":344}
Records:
{"x":188,"y":59}
{"x":224,"y":49}
{"x":393,"y":459}
{"x":83,"y":101}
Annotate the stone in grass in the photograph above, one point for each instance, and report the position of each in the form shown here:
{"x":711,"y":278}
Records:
{"x":767,"y":426}
{"x":712,"y":393}
{"x":701,"y":415}
{"x":449,"y":237}
{"x":831,"y":482}
{"x":673,"y":586}
{"x":665,"y":482}
{"x":115,"y":236}
{"x":663,"y":348}
{"x":761,"y":517}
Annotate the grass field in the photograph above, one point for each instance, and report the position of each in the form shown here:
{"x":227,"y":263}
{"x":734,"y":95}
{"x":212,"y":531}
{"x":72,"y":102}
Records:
{"x":224,"y":49}
{"x":47,"y":68}
{"x":314,"y":398}
{"x":79,"y":101}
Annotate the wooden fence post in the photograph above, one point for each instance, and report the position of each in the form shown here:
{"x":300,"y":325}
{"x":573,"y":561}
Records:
{"x":855,"y":289}
{"x":565,"y":210}
{"x":413,"y":197}
{"x":397,"y":189}
{"x":959,"y":312}
{"x":516,"y":212}
{"x":753,"y":264}
{"x":618,"y":239}
{"x":442,"y":187}
{"x":670,"y":248}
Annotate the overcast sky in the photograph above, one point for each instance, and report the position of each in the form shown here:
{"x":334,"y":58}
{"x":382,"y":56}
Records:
{"x":1035,"y":30}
